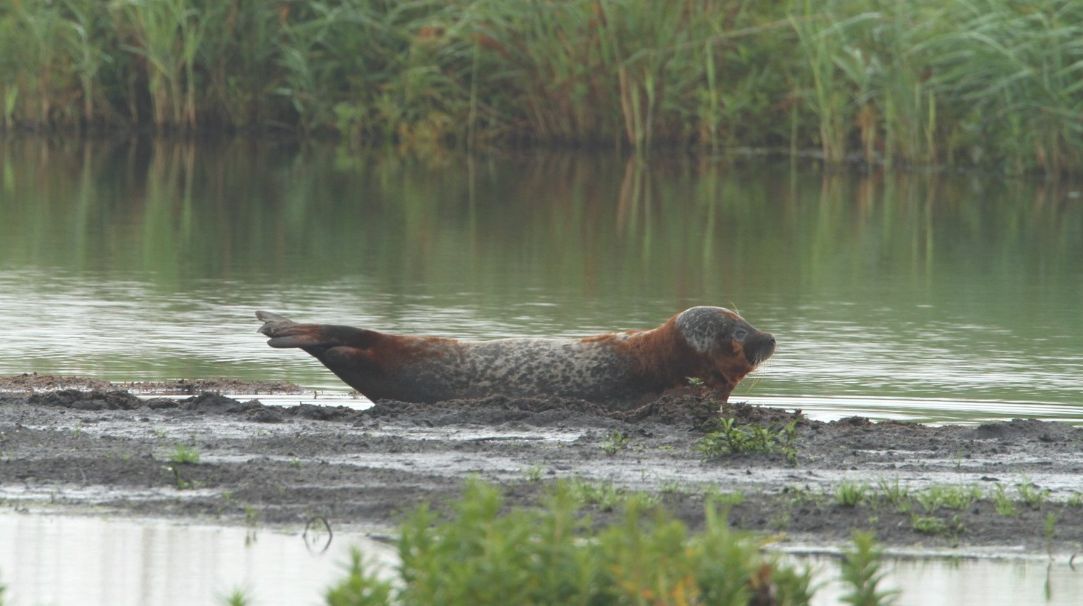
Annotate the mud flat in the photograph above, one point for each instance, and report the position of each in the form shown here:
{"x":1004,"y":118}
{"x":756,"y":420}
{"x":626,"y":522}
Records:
{"x":1007,"y":487}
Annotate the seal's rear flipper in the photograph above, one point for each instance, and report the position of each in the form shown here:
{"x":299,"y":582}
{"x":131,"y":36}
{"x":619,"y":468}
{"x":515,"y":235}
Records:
{"x":287,"y":333}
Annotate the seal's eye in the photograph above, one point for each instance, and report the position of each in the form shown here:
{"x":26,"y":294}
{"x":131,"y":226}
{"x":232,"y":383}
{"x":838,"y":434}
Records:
{"x":739,"y":335}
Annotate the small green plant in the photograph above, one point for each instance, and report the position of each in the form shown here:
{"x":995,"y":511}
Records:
{"x":862,"y":573}
{"x":671,"y":487}
{"x":956,"y":498}
{"x":928,"y":525}
{"x":851,"y":494}
{"x":933,"y":525}
{"x":1075,"y":500}
{"x":605,"y":495}
{"x":359,"y":588}
{"x":1050,"y":527}
{"x":896,"y":495}
{"x":730,"y":438}
{"x":615,"y":442}
{"x":724,"y":499}
{"x":533,"y":473}
{"x":1031,"y":495}
{"x":237,"y":597}
{"x":251,"y":522}
{"x":1002,"y":502}
{"x":184,"y":455}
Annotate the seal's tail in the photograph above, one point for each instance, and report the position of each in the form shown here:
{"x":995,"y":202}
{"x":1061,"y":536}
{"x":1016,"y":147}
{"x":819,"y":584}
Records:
{"x":284,"y":332}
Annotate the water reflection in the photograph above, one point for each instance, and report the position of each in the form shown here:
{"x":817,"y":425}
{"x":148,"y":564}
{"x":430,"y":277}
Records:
{"x":962,"y":582}
{"x":145,"y":260}
{"x":61,"y":559}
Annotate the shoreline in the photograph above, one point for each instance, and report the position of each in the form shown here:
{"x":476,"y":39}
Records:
{"x":1003,"y":488}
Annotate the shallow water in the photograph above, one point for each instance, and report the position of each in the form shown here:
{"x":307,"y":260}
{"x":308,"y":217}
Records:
{"x":962,"y":581}
{"x":67,"y":559}
{"x":956,"y":295}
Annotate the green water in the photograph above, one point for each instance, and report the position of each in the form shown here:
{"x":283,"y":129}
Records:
{"x":951,"y":296}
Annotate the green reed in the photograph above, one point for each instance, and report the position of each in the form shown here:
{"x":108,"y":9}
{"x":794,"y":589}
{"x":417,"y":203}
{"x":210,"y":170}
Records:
{"x":966,"y":82}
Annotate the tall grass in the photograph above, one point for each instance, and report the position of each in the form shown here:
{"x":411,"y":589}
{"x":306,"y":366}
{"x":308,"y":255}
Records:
{"x":963,"y":82}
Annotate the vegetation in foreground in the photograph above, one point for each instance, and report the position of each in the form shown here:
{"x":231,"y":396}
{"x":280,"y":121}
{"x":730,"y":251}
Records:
{"x":489,"y":555}
{"x":963,"y":82}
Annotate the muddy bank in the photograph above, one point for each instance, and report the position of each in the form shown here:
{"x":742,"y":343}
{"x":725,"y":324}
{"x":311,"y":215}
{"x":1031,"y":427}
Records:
{"x":274,"y":464}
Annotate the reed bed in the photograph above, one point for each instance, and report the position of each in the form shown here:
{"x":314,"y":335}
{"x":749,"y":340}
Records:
{"x":963,"y":83}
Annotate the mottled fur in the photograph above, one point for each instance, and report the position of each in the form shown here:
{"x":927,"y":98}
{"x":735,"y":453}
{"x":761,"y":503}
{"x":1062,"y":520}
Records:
{"x":710,"y":343}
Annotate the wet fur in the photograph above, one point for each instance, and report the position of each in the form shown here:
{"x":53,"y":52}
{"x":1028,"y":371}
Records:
{"x":700,"y":342}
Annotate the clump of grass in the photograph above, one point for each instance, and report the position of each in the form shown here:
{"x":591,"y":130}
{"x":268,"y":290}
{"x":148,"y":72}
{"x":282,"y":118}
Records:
{"x":861,"y":570}
{"x":1003,"y":503}
{"x":933,"y":525}
{"x":360,"y":587}
{"x":237,"y":597}
{"x":895,"y":494}
{"x":184,"y":455}
{"x":1049,"y":528}
{"x":1031,"y":495}
{"x":724,"y":499}
{"x":851,"y":494}
{"x":956,"y":498}
{"x":731,"y":439}
{"x":615,"y":442}
{"x":605,"y":495}
{"x":533,"y":473}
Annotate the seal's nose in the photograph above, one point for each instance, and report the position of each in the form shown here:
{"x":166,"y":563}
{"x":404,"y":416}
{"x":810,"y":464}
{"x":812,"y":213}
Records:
{"x":760,"y":347}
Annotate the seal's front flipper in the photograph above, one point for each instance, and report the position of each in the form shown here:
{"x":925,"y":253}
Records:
{"x":287,"y":333}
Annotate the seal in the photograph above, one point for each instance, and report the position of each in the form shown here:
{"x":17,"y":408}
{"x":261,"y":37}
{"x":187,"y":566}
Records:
{"x":712,"y":344}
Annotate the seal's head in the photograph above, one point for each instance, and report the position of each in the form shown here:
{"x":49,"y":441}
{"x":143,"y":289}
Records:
{"x":731,"y":346}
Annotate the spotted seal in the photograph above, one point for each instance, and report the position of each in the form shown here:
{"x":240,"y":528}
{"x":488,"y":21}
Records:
{"x":713,"y":344}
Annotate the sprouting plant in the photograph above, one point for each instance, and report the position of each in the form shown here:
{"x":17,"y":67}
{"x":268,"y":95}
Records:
{"x":928,"y":525}
{"x":895,"y":494}
{"x":183,"y":455}
{"x":1050,"y":527}
{"x":237,"y":597}
{"x":360,"y":587}
{"x":723,"y":499}
{"x":533,"y":473}
{"x":1002,"y":502}
{"x":754,"y":438}
{"x":933,"y":525}
{"x":851,"y":494}
{"x":861,"y":571}
{"x":1031,"y":495}
{"x":615,"y":442}
{"x":947,"y":497}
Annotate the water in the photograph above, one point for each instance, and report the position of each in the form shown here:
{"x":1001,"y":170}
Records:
{"x":68,"y":559}
{"x":935,"y":297}
{"x":944,"y":298}
{"x":961,"y":581}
